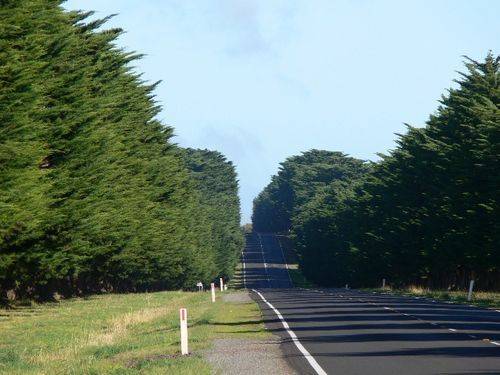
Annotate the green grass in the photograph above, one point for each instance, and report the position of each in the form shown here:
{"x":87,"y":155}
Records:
{"x":482,"y":299}
{"x":298,"y":279}
{"x":120,"y":334}
{"x":237,"y":281}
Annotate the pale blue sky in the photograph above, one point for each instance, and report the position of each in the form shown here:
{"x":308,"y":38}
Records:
{"x":261,"y":80}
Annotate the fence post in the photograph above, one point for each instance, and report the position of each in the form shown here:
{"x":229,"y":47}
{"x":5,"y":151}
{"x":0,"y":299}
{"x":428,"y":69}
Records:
{"x":212,"y":289}
{"x":221,"y":283}
{"x":184,"y":331}
{"x":471,"y":286}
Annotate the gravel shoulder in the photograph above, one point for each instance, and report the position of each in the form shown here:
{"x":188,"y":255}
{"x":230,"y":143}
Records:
{"x":237,"y":297}
{"x":245,"y":356}
{"x":231,"y":356}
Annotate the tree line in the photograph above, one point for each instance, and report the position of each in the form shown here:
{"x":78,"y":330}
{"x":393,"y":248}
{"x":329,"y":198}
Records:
{"x":425,"y":214}
{"x":94,"y":195}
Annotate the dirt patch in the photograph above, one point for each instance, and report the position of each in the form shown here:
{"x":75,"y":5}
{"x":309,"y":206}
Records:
{"x":245,"y":356}
{"x":237,"y":297}
{"x":135,"y":363}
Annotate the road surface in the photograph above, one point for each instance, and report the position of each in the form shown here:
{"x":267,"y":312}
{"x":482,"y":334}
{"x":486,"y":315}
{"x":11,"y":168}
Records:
{"x":338,"y":331}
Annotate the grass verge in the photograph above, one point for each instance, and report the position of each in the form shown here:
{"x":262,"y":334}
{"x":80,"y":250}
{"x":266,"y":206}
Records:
{"x":481,"y":299}
{"x":120,"y":334}
{"x":237,"y":281}
{"x":298,"y":279}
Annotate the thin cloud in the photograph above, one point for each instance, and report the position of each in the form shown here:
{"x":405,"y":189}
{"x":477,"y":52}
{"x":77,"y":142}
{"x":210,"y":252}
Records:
{"x":250,"y":27}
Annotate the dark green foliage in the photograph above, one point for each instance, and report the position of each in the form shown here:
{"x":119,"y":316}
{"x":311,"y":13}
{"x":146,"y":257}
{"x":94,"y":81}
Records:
{"x":216,"y":180}
{"x":435,"y":198}
{"x":298,"y":180}
{"x":321,"y":233}
{"x":307,"y":192}
{"x":428,"y":212}
{"x":93,"y":195}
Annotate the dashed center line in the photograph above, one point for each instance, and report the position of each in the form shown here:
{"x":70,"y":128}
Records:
{"x":264,"y":260}
{"x":419,"y":319}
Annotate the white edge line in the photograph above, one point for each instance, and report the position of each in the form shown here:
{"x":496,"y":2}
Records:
{"x":244,"y":269}
{"x":315,"y":365}
{"x":284,"y":260}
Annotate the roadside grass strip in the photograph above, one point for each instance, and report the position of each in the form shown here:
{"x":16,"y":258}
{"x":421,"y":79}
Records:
{"x":490,"y":300}
{"x":121,"y":334}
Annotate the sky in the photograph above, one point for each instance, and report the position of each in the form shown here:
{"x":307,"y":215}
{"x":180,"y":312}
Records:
{"x":262,"y":80}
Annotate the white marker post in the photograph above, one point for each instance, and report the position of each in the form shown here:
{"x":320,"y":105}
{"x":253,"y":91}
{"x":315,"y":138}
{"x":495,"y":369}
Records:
{"x":212,"y":289}
{"x":347,"y":286}
{"x":471,"y":286}
{"x":225,"y":287}
{"x":221,"y":283}
{"x":383,"y":283}
{"x":184,"y":331}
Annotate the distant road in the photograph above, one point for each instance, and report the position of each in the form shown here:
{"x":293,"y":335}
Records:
{"x":336,"y":331}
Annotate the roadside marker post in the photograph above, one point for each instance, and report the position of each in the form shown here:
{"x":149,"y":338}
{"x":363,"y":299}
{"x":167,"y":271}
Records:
{"x":212,"y":289}
{"x":347,"y":286}
{"x":471,"y":287}
{"x":383,"y":283}
{"x":225,"y":287}
{"x":221,"y":283}
{"x":184,"y":331}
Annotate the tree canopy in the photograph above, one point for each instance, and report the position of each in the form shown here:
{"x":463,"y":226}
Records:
{"x":427,"y":213}
{"x":94,"y":196}
{"x":297,"y":181}
{"x":217,"y":182}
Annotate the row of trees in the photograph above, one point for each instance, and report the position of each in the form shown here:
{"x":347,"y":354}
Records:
{"x":94,"y":195}
{"x":216,"y":180}
{"x":426,"y":213}
{"x":299,"y":179}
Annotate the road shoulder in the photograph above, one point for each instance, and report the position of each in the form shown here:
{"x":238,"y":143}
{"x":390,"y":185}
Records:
{"x":241,"y":356}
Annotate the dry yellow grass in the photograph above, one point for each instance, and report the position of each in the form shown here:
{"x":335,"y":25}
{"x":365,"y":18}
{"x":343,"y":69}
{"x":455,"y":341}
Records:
{"x":479,"y":298}
{"x":119,"y":334}
{"x":116,"y":329}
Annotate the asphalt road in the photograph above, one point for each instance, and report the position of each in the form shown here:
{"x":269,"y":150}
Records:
{"x":347,"y":332}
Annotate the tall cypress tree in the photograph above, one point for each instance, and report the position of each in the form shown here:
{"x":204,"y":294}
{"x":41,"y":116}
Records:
{"x":428,"y":212}
{"x":296,"y":183}
{"x":217,"y":182}
{"x":94,"y":196}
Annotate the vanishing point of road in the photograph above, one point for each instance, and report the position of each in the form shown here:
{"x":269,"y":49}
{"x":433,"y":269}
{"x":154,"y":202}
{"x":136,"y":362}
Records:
{"x":338,"y":331}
